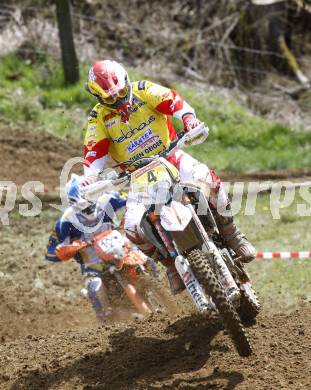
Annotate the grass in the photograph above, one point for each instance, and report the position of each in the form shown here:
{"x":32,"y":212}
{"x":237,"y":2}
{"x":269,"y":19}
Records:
{"x":33,"y":92}
{"x":281,"y":283}
{"x":240,"y":141}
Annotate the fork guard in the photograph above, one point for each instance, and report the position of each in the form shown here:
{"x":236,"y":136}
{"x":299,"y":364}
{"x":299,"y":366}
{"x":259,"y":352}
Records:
{"x":192,"y":285}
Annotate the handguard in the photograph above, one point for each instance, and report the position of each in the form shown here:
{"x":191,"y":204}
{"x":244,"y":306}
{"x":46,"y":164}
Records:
{"x":94,"y":190}
{"x":66,"y":252}
{"x":195,"y":136}
{"x":110,"y":182}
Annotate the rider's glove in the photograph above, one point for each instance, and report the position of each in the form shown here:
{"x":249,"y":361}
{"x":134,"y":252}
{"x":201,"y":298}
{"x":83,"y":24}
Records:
{"x":66,"y":252}
{"x":88,"y":180}
{"x":190,"y":122}
{"x":194,"y":136}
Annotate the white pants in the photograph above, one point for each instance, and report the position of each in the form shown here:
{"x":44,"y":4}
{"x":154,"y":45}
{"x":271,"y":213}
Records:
{"x":191,"y":170}
{"x":96,"y":292}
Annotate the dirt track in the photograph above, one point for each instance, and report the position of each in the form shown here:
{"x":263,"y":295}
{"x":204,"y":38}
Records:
{"x":50,"y":340}
{"x":153,"y":354}
{"x":33,"y":155}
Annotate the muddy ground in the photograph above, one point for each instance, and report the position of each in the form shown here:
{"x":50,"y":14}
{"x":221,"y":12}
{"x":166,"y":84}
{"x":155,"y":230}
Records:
{"x":49,"y":338}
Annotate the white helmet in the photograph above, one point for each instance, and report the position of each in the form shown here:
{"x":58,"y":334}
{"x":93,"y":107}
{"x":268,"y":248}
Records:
{"x":77,"y":200}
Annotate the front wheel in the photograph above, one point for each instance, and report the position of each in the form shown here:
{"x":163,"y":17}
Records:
{"x":212,"y":288}
{"x":158,"y":297}
{"x":249,"y":305}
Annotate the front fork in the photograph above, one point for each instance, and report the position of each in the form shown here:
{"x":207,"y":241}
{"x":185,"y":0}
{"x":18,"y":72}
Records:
{"x":193,"y":286}
{"x":219,"y":265}
{"x":184,"y":269}
{"x":182,"y":266}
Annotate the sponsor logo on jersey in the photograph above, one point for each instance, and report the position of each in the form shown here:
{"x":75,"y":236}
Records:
{"x":93,"y":114}
{"x":136,"y":105}
{"x":136,"y":157}
{"x":141,"y":85}
{"x":147,"y":150}
{"x":91,"y":144}
{"x":154,"y":146}
{"x":92,"y":135}
{"x":143,"y":141}
{"x":111,"y":122}
{"x":128,"y":134}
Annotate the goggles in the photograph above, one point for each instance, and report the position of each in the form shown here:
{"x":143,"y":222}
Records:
{"x":83,"y":206}
{"x":113,"y":99}
{"x":89,"y":210}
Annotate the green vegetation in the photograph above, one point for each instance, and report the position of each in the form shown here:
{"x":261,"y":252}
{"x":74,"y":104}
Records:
{"x":33,"y":92}
{"x":280,"y":283}
{"x":240,"y":141}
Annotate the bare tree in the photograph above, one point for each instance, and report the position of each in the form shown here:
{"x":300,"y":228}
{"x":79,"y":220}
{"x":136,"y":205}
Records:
{"x":69,"y":56}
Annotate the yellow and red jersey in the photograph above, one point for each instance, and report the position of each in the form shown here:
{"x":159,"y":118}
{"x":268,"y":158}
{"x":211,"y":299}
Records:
{"x":147,"y":132}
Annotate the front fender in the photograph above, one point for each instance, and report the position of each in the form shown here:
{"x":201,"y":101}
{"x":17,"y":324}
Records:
{"x":175,"y":217}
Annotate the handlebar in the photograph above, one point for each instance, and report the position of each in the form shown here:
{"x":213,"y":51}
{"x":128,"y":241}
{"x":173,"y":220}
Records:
{"x":104,"y":183}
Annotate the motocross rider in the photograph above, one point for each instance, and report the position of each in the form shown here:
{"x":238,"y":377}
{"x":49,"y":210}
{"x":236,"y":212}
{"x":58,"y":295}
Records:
{"x":130,"y":121}
{"x":81,"y":222}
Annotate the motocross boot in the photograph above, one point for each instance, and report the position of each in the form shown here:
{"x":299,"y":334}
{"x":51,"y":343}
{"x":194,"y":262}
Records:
{"x":175,"y":282}
{"x":96,"y":293}
{"x":233,"y":237}
{"x":174,"y":279}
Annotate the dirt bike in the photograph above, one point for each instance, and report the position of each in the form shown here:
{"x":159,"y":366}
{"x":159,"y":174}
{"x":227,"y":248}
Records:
{"x":180,"y":224}
{"x":135,"y":273}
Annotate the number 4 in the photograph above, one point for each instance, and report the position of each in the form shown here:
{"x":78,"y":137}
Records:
{"x":151,"y":176}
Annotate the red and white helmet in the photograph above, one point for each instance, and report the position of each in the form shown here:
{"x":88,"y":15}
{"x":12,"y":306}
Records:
{"x":109,"y":82}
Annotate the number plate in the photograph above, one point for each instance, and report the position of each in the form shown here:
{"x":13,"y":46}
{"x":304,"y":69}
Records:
{"x":153,"y":173}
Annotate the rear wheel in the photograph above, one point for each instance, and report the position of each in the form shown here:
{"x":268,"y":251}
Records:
{"x":212,"y":287}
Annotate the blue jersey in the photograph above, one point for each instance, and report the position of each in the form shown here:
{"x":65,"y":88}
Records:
{"x":67,"y":229}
